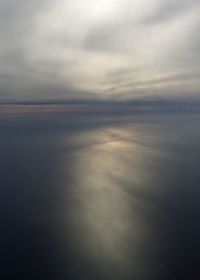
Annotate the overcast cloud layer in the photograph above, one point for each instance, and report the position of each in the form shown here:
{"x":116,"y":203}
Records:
{"x":99,"y":49}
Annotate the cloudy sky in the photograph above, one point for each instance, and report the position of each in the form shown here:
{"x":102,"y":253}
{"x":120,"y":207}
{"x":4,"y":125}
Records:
{"x":118,"y":49}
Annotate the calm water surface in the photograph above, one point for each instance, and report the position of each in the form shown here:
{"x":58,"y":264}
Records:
{"x":100,"y":198}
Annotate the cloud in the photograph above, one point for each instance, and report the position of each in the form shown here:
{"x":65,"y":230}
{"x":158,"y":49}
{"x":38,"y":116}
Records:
{"x":168,"y":10}
{"x":84,"y":49}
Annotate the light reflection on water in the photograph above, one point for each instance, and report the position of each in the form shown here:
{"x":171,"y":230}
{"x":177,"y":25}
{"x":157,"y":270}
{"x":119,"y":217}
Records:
{"x":112,"y":173}
{"x":111,"y":200}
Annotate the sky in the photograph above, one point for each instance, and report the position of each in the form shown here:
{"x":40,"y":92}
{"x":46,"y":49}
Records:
{"x":108,"y":49}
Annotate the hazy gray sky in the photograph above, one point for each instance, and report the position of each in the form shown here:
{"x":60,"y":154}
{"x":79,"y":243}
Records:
{"x":119,"y":49}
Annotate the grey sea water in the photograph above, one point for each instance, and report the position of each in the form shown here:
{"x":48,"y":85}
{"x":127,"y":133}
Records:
{"x":100,"y":197}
